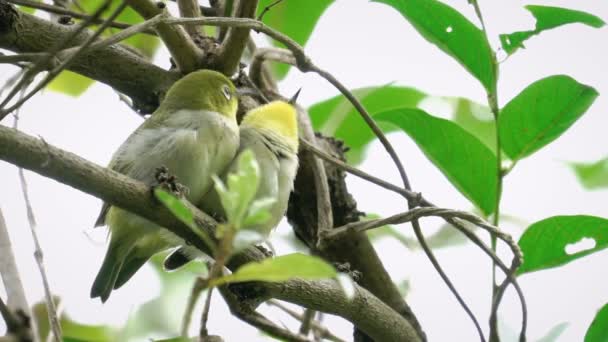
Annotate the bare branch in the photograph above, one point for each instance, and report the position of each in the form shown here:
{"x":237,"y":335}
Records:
{"x":190,"y":9}
{"x":116,"y":65}
{"x":315,"y":325}
{"x":185,"y":53}
{"x":231,"y":50}
{"x":17,"y":302}
{"x":39,"y":256}
{"x":62,"y":66}
{"x":63,"y":11}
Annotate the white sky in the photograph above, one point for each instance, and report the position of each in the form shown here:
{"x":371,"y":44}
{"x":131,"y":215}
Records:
{"x":351,"y":41}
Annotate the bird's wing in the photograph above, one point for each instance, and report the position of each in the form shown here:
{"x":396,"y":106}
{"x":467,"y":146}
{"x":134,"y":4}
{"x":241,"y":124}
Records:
{"x":120,"y":164}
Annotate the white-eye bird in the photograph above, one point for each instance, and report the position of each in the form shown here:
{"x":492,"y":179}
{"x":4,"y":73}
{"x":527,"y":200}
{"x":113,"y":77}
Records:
{"x":271,"y":133}
{"x":195,"y":135}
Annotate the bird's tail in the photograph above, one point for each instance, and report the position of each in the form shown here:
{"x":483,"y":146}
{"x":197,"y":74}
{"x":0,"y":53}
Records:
{"x":133,"y":262}
{"x":104,"y":282}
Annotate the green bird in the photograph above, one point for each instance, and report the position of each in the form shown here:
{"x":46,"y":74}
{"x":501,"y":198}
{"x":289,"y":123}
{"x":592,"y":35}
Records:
{"x":195,"y":135}
{"x":271,"y":133}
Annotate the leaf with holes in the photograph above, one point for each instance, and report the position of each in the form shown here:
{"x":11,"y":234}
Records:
{"x":281,"y":268}
{"x":296,"y":19}
{"x":453,"y":33}
{"x":338,"y":118}
{"x":547,"y":17}
{"x":598,"y":330}
{"x":464,"y":160}
{"x":592,"y":175}
{"x":541,"y":113}
{"x":557,"y":240}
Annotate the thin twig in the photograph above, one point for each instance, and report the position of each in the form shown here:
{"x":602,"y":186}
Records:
{"x":205,"y":316}
{"x":42,"y":63}
{"x":309,"y":316}
{"x":267,"y":8}
{"x":15,"y":291}
{"x":231,"y":50}
{"x":255,"y":319}
{"x":38,"y":254}
{"x":197,"y":289}
{"x":257,"y":70}
{"x":190,"y":9}
{"x":63,"y":11}
{"x":315,"y":325}
{"x":185,"y":53}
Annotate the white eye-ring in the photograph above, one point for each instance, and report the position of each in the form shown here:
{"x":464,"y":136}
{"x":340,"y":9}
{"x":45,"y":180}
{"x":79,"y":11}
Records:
{"x":226,"y":92}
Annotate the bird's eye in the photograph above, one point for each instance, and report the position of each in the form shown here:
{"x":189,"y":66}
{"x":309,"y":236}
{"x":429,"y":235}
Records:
{"x":227,"y":93}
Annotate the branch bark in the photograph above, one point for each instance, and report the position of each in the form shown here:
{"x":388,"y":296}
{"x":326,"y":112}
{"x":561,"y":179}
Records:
{"x":366,"y":311}
{"x":115,"y":65}
{"x":185,"y":53}
{"x":229,"y":55}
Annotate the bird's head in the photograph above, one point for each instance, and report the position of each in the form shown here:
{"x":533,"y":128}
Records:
{"x":203,"y":90}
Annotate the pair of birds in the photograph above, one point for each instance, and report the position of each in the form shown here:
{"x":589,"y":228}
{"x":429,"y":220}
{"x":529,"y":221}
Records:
{"x":194,"y":133}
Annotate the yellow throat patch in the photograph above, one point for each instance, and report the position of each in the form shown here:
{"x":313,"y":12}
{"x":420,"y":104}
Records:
{"x":279,"y":117}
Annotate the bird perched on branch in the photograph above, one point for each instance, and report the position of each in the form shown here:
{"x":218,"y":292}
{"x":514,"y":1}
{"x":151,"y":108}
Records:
{"x":271,"y":133}
{"x":194,"y":134}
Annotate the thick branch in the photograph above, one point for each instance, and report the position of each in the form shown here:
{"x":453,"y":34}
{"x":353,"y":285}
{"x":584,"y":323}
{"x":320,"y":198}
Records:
{"x":185,"y":53}
{"x":190,"y":9}
{"x":233,"y":46}
{"x":365,"y":310}
{"x":116,"y":65}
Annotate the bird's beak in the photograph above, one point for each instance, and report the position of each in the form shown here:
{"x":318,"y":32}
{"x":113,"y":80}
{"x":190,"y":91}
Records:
{"x":294,"y":98}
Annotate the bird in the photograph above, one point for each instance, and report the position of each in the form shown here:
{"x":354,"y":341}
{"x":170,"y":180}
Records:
{"x":270,"y":131}
{"x":195,"y":135}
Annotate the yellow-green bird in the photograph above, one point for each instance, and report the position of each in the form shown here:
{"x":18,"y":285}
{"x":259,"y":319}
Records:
{"x":271,"y":133}
{"x":195,"y":135}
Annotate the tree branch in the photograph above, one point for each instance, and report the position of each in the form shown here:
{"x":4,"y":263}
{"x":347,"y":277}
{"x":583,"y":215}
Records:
{"x":185,"y":53}
{"x":365,"y":310}
{"x":190,"y":9}
{"x":115,"y":66}
{"x":231,"y":50}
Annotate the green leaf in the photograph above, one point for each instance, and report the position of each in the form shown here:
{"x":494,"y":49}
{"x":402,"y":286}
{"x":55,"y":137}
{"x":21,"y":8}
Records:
{"x":592,"y":175}
{"x":598,"y":330}
{"x":176,"y":206}
{"x":259,"y":212}
{"x":280,"y":269}
{"x":176,"y":339}
{"x":337,"y":117}
{"x":236,"y":196}
{"x":296,"y":19}
{"x":450,"y":31}
{"x":464,"y":160}
{"x":554,"y":333}
{"x":547,"y":17}
{"x":541,"y":113}
{"x":476,"y":119}
{"x":558,"y":240}
{"x":70,"y":83}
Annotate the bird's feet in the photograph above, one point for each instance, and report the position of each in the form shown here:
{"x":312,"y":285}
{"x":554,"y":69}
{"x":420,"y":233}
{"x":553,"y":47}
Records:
{"x":168,"y":182}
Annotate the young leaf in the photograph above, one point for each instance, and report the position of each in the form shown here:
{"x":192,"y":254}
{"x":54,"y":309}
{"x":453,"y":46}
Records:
{"x":547,"y":17}
{"x":558,"y":240}
{"x":450,"y":31}
{"x":592,"y":175}
{"x":598,"y":330}
{"x":258,"y":212}
{"x":296,"y":19}
{"x":337,"y":117}
{"x":70,"y":83}
{"x":464,"y":160}
{"x":176,"y":206}
{"x":241,"y":187}
{"x":280,"y":269}
{"x":541,"y":113}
